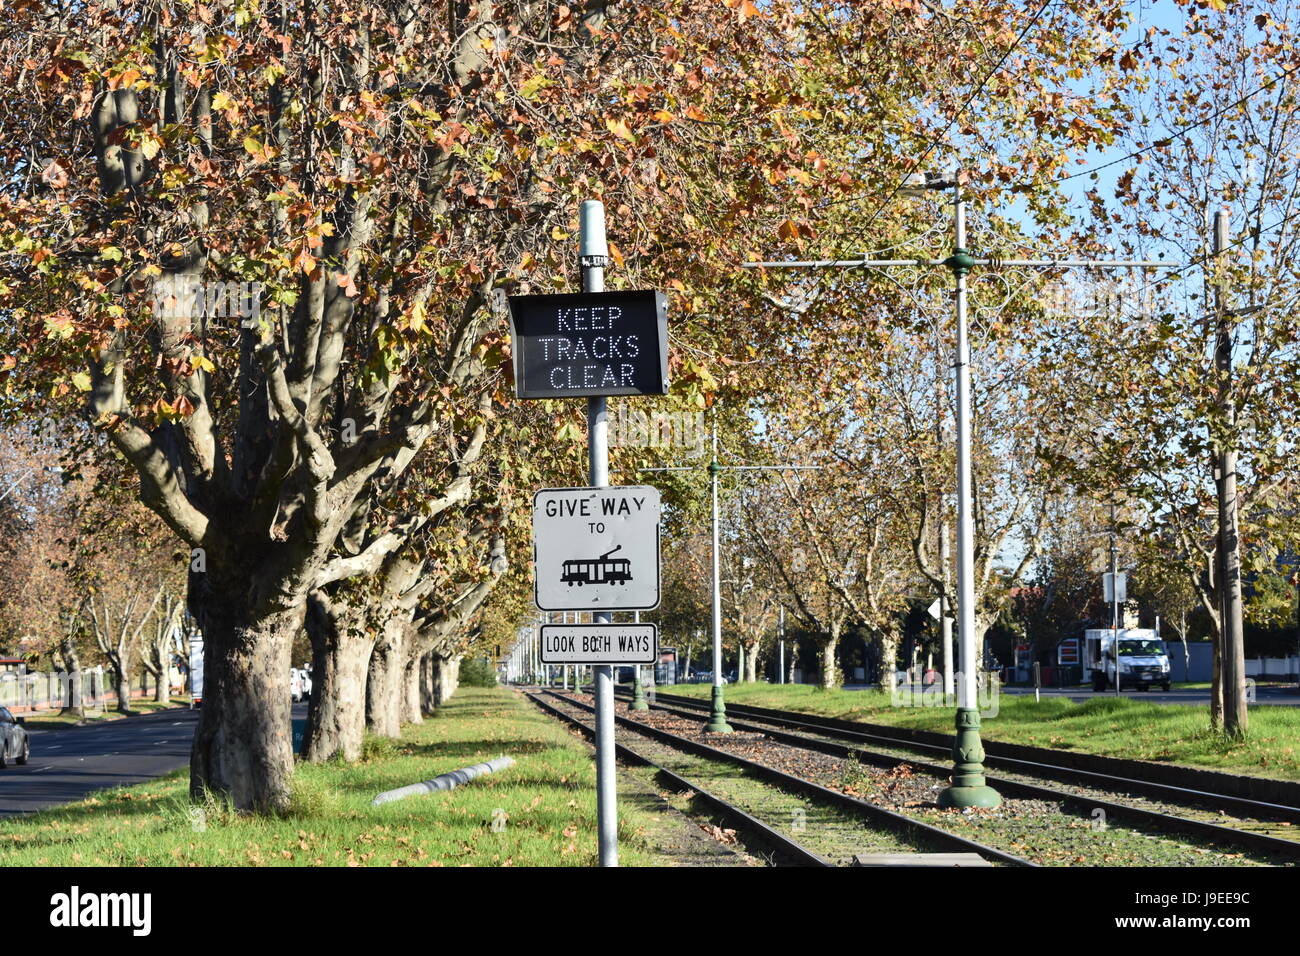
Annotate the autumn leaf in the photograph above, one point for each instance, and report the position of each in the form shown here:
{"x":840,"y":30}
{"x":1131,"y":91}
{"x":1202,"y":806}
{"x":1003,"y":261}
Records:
{"x":744,"y":8}
{"x":620,"y":129}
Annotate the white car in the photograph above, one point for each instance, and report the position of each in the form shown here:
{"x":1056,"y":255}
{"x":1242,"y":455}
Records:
{"x":295,"y":684}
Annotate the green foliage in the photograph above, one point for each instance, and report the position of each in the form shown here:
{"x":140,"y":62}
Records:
{"x":477,"y":672}
{"x":1271,"y":601}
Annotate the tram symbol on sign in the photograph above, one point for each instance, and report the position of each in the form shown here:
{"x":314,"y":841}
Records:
{"x":601,"y":570}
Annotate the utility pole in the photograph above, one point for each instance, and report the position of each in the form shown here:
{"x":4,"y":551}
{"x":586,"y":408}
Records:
{"x":1235,"y":717}
{"x":638,"y":691}
{"x":718,"y":716}
{"x":780,"y":646}
{"x":1114,"y":594}
{"x":945,"y":610}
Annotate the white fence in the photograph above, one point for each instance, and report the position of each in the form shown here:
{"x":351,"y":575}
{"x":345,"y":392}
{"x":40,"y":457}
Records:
{"x":1272,"y":666}
{"x":24,"y":693}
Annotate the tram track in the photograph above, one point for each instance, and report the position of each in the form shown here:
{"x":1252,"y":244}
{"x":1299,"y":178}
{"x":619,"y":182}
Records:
{"x":1096,"y":791}
{"x":905,"y":833}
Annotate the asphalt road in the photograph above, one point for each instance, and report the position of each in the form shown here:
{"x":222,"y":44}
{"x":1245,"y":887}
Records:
{"x":67,"y":764}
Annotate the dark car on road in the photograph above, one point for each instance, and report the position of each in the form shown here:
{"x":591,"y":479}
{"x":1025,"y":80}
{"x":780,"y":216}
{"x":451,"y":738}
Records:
{"x":14,"y":743}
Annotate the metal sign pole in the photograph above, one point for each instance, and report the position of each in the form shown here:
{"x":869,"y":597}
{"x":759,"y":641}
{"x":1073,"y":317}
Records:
{"x":593,"y":253}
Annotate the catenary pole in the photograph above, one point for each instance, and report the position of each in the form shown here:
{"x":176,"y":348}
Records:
{"x":638,"y":691}
{"x":969,"y":788}
{"x":1114,"y":595}
{"x":780,"y":645}
{"x":593,"y":254}
{"x":718,"y":716}
{"x":717,"y":723}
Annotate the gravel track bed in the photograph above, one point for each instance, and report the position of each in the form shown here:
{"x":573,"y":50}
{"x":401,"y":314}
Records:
{"x":829,"y":831}
{"x":1042,"y":831}
{"x":1203,"y":810}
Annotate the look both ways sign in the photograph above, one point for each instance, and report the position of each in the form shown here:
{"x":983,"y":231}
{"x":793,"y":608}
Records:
{"x":600,"y":643}
{"x":597,"y":549}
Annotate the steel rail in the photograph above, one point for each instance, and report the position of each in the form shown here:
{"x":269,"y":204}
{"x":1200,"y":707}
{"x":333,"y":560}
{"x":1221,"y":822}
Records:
{"x":792,"y":851}
{"x":876,"y":814}
{"x":1169,"y":822}
{"x":873,"y":733}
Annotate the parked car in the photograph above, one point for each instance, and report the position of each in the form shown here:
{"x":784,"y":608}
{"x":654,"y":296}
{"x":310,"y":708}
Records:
{"x":14,"y":742}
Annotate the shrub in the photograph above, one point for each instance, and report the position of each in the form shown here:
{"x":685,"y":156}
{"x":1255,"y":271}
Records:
{"x":477,"y":672}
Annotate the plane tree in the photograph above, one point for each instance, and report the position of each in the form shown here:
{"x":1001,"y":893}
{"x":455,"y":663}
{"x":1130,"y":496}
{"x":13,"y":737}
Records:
{"x":351,"y":184}
{"x":1203,"y":394}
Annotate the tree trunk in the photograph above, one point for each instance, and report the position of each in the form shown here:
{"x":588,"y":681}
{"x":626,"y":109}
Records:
{"x":831,"y":676}
{"x":751,"y":663}
{"x":162,"y":691}
{"x":888,"y":660}
{"x":122,"y":680}
{"x":340,"y":653}
{"x":412,"y":712}
{"x":72,"y":703}
{"x":441,"y":679}
{"x":1216,"y":681}
{"x":386,"y":687}
{"x":453,"y":679}
{"x":243,"y":746}
{"x":428,"y":684}
{"x":446,"y":678}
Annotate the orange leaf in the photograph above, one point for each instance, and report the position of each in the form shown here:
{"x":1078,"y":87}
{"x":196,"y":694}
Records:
{"x":620,"y":129}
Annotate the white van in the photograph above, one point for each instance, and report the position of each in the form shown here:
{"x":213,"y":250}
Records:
{"x":1143,"y":659}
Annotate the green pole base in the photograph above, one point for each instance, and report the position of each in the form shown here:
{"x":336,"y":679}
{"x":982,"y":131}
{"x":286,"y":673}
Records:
{"x":969,"y":788}
{"x":638,"y":696}
{"x":718,"y":719}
